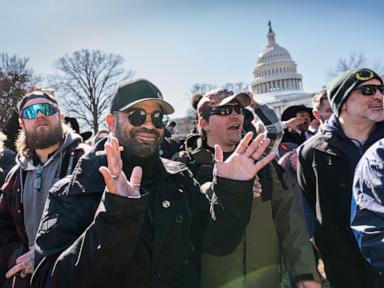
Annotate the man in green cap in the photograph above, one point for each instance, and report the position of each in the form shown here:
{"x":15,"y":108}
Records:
{"x":101,"y":230}
{"x":326,"y":167}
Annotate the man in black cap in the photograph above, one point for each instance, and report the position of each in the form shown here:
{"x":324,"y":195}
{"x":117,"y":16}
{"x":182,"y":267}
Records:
{"x":296,"y":120}
{"x":101,"y":230}
{"x":326,"y":166}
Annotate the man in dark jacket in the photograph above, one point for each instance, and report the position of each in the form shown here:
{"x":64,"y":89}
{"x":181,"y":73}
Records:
{"x":101,"y":230}
{"x":7,"y":159}
{"x":296,"y":131}
{"x":276,"y":229}
{"x":326,"y":166}
{"x":367,"y":208}
{"x":47,"y":151}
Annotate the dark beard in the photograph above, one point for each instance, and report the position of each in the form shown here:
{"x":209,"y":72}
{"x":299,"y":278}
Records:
{"x":37,"y":140}
{"x":139,"y":149}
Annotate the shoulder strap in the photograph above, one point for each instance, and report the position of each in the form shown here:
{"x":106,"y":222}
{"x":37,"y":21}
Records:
{"x":71,"y":157}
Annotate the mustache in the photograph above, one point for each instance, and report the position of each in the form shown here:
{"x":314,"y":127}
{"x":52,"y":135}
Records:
{"x":42,"y":121}
{"x":145,"y":130}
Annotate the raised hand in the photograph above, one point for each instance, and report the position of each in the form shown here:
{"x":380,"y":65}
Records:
{"x":242,"y":164}
{"x":115,"y":178}
{"x":294,"y":122}
{"x":24,"y":264}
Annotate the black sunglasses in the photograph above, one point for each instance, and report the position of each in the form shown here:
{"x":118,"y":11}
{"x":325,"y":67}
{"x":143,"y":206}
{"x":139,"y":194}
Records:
{"x":369,"y":90}
{"x":137,"y":117}
{"x":222,"y":111}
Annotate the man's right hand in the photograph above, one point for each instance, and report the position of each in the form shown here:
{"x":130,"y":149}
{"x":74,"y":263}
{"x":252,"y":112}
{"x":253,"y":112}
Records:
{"x":114,"y":176}
{"x":24,"y":264}
{"x":293,"y":123}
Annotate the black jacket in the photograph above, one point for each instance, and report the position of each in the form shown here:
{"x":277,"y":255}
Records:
{"x":7,"y":161}
{"x":93,"y":239}
{"x":325,"y":172}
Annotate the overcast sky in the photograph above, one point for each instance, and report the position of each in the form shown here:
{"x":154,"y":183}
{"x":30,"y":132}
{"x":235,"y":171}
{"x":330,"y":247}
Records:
{"x":176,"y":43}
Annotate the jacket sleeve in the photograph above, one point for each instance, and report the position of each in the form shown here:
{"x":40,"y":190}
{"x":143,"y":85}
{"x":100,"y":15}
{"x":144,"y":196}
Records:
{"x":11,"y":245}
{"x":367,"y":209}
{"x":7,"y":162}
{"x":81,"y":236}
{"x":291,"y":229}
{"x":230,"y":210}
{"x":306,"y":177}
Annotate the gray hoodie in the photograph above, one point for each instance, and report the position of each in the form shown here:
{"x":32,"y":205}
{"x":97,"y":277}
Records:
{"x":38,"y":180}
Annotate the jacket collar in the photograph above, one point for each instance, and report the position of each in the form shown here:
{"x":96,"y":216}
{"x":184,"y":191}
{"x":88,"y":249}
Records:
{"x":325,"y":141}
{"x":168,"y":167}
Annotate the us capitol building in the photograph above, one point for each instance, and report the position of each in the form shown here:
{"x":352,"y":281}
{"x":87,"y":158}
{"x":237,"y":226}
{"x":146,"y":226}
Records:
{"x":276,"y":81}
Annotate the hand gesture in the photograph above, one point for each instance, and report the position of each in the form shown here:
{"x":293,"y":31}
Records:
{"x":294,"y":122}
{"x":24,"y":264}
{"x":114,"y":176}
{"x":245,"y":161}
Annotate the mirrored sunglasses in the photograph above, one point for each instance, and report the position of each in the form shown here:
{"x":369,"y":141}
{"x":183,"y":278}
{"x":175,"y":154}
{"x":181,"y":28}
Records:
{"x":222,"y":111}
{"x":137,"y":117}
{"x":30,"y":112}
{"x":370,"y":90}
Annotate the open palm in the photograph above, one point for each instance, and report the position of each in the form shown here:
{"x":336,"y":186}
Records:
{"x":242,"y":164}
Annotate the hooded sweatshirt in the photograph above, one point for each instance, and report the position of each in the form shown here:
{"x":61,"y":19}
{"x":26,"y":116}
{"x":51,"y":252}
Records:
{"x":39,"y":179}
{"x":352,"y":147}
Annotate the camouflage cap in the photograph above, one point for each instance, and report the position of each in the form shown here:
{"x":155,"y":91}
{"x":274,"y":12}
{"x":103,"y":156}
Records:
{"x":221,"y":97}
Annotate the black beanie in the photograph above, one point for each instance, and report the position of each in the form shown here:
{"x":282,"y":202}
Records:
{"x":340,"y":88}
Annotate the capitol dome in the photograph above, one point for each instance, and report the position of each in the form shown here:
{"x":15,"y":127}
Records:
{"x":275,"y":70}
{"x":273,"y":52}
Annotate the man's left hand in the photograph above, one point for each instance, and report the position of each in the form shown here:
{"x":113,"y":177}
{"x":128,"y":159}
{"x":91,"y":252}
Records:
{"x":245,"y":161}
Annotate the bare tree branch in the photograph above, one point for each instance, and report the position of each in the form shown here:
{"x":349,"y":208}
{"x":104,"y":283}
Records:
{"x":353,"y":61}
{"x":86,"y":80}
{"x":15,"y":79}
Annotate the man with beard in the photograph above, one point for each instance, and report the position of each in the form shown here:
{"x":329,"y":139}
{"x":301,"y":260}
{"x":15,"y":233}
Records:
{"x":47,"y":151}
{"x":276,"y":229}
{"x":326,"y":166}
{"x":101,"y":230}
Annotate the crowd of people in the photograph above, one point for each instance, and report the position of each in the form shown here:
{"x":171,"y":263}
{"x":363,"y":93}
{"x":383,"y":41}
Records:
{"x":249,"y":199}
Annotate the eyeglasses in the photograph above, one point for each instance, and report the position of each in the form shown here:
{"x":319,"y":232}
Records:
{"x":369,"y":90}
{"x":38,"y":174}
{"x":31,"y":111}
{"x":222,"y":111}
{"x":137,"y":117}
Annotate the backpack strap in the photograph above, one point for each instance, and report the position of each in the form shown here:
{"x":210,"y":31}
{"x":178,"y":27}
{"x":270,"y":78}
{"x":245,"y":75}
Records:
{"x":71,"y":157}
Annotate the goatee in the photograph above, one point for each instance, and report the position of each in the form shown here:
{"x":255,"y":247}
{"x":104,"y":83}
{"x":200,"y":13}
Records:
{"x":139,"y":148}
